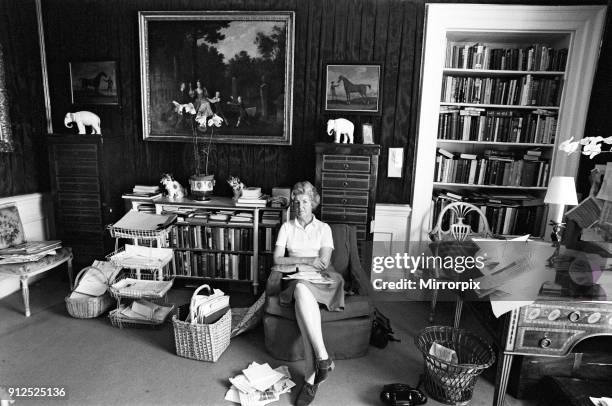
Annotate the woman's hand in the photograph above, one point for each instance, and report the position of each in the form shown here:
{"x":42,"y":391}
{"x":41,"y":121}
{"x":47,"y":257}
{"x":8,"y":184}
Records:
{"x":318,"y":264}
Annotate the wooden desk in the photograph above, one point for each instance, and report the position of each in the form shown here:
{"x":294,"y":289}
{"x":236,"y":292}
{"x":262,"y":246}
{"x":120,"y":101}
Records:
{"x":548,"y":328}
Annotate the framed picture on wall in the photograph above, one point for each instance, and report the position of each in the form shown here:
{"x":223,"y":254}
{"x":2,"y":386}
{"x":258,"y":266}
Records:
{"x":237,"y":65}
{"x":94,"y":82}
{"x":353,"y":88}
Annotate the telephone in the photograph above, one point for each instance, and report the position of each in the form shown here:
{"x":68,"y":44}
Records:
{"x":400,"y":394}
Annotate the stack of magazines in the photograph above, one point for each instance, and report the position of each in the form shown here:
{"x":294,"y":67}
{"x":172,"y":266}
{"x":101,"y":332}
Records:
{"x":28,"y":251}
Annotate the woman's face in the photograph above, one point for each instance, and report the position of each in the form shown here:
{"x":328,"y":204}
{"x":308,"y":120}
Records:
{"x":303,"y":206}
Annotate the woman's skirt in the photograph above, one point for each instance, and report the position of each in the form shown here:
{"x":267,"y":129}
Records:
{"x":331,"y":296}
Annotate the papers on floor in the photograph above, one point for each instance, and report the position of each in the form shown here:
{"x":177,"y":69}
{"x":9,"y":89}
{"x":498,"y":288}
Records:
{"x":259,"y":385}
{"x":311,"y":276}
{"x":601,"y":401}
{"x":96,"y":280}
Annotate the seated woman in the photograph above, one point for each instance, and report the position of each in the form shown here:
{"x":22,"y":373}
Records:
{"x":309,"y":244}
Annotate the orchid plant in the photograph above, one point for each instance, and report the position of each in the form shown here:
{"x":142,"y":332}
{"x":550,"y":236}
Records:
{"x":213,"y":121}
{"x":591,"y":146}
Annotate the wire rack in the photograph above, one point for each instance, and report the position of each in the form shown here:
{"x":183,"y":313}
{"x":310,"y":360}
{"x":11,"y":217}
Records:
{"x":149,"y":258}
{"x":140,"y":289}
{"x":120,"y":321}
{"x":142,"y":235}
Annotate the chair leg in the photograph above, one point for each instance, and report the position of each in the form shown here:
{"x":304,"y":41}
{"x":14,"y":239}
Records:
{"x":458,"y":309}
{"x":25,"y":292}
{"x":434,"y":301}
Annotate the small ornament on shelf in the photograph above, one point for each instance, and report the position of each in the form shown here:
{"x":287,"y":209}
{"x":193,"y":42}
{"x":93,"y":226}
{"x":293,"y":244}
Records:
{"x":237,"y":186}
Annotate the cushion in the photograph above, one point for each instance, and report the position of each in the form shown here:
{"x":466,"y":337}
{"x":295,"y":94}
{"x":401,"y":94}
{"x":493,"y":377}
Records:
{"x":342,"y":246}
{"x":355,"y":306}
{"x":11,"y":229}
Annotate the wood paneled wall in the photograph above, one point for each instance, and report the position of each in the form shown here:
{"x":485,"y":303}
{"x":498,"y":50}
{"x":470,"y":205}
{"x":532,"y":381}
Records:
{"x":389,"y":31}
{"x":326,"y":30}
{"x":24,"y":170}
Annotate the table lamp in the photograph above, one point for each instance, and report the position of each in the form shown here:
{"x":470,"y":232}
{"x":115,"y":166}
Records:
{"x":561,"y":192}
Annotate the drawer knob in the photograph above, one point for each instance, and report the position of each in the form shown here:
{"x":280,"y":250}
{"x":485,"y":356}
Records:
{"x":345,"y":183}
{"x":346,"y":166}
{"x":344,"y":201}
{"x":545,"y":342}
{"x":574,"y":316}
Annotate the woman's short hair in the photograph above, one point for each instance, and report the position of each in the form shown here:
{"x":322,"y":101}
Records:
{"x":306,"y":188}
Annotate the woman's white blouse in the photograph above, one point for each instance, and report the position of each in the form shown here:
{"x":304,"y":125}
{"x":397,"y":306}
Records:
{"x":305,"y":241}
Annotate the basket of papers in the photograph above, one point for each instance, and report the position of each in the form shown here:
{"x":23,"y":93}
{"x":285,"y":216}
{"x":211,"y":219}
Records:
{"x":138,"y":288}
{"x":90,"y":297}
{"x":142,"y":226}
{"x":141,"y":313}
{"x":454,"y":358}
{"x":204,"y":335}
{"x":134,"y":256}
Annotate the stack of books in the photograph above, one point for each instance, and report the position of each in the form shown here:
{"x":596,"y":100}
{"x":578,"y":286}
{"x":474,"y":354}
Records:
{"x":143,"y":192}
{"x":270,"y":217}
{"x":252,"y":197}
{"x":242,"y":217}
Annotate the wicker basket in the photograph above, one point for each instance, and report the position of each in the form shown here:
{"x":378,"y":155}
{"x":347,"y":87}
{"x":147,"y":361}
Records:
{"x":448,"y":382}
{"x":87,"y":308}
{"x":202,"y":342}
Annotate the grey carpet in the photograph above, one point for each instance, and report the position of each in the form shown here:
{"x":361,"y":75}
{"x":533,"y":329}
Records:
{"x":102,"y":365}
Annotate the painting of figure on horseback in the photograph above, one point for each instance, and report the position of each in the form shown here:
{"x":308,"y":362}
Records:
{"x":94,"y":82}
{"x":353,"y":87}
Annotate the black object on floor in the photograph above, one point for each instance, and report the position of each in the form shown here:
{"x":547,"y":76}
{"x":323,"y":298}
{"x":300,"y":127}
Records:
{"x":399,"y":394}
{"x":558,"y":391}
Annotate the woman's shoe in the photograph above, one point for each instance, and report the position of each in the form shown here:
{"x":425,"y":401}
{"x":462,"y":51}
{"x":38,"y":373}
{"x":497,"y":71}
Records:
{"x":307,"y":394}
{"x":324,"y":367}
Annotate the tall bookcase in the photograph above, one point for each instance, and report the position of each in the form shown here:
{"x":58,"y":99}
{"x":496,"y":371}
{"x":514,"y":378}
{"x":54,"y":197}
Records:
{"x":502,"y":87}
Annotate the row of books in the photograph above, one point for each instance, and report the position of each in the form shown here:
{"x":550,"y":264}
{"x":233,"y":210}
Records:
{"x":222,"y":216}
{"x":524,"y":91}
{"x":504,"y":216}
{"x":478,"y":124}
{"x":538,"y":57}
{"x":529,"y":171}
{"x":185,"y":235}
{"x":220,"y":265}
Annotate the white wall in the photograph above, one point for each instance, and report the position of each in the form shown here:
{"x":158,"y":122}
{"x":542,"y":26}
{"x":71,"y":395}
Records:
{"x":36,"y":213}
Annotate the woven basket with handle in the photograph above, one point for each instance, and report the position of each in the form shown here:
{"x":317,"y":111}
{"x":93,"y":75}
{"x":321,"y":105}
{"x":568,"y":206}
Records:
{"x":90,"y":307}
{"x":202,"y":342}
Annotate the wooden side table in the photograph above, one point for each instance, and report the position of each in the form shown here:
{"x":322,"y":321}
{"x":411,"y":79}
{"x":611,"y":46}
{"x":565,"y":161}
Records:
{"x":26,"y":270}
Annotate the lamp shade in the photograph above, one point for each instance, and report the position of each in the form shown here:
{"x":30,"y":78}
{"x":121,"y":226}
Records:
{"x":561,"y":190}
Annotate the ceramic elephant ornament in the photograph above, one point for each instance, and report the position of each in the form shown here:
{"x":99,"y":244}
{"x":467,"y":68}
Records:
{"x":83,"y":119}
{"x":341,"y":128}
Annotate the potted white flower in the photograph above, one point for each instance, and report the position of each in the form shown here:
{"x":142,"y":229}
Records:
{"x":202,"y":184}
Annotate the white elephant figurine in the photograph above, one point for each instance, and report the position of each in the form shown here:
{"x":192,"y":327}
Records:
{"x":341,"y":127}
{"x":83,"y":119}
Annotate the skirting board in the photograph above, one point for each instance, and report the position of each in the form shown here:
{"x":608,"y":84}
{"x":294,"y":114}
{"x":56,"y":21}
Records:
{"x":34,"y":211}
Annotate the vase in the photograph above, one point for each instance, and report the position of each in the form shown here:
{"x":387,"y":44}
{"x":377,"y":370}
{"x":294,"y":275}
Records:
{"x":201,"y":186}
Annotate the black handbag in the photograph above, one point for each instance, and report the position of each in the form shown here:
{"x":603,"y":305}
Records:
{"x":382,"y":332}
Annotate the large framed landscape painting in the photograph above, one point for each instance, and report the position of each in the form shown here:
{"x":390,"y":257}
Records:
{"x":236,"y":65}
{"x":94,"y":82}
{"x":353,"y":88}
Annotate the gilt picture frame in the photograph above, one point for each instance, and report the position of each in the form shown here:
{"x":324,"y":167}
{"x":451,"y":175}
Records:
{"x":237,"y":65}
{"x":94,"y":82}
{"x":353,"y":88}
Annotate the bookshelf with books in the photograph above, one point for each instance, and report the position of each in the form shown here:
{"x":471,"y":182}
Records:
{"x":220,"y":239}
{"x":502,"y":87}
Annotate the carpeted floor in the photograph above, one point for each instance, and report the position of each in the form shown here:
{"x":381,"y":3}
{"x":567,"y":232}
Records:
{"x":102,"y":365}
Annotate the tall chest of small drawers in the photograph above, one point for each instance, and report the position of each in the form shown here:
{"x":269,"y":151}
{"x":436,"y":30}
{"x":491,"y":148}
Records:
{"x":346,"y":176}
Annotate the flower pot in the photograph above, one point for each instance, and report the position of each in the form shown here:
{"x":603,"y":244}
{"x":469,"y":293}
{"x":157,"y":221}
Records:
{"x":201,"y":186}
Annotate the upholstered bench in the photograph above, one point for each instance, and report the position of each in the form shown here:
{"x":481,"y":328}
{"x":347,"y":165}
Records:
{"x":26,"y":270}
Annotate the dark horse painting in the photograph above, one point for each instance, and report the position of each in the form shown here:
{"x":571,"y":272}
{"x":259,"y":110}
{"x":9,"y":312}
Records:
{"x":353,"y":87}
{"x":94,"y":82}
{"x":350,"y":87}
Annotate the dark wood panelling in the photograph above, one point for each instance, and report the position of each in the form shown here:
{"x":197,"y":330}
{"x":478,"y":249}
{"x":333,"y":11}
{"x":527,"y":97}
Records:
{"x":389,"y":31}
{"x":21,"y":170}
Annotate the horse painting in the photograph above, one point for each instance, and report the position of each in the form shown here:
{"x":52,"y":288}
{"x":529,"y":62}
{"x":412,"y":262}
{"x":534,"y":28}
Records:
{"x":93,"y":82}
{"x":350,"y":87}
